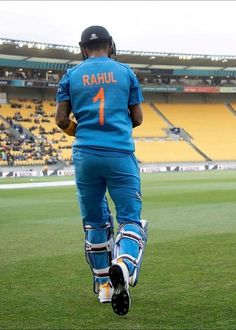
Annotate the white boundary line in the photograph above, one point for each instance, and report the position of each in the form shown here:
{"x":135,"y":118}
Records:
{"x":36,"y":185}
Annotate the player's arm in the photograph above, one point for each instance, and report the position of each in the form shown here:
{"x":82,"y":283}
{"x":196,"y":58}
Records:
{"x":63,"y":110}
{"x":135,"y":100}
{"x":63,"y":120}
{"x":136,"y":114}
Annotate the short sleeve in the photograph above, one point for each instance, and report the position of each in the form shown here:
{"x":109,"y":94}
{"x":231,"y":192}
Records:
{"x":63,"y":91}
{"x":135,"y":96}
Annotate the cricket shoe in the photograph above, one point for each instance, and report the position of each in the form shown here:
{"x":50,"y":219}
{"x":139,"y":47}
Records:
{"x":105,"y":293}
{"x":119,"y":276}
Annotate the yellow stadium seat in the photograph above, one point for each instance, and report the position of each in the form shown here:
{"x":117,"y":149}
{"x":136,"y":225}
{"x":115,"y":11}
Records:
{"x":152,"y":126}
{"x":212,"y":127}
{"x":165,"y":151}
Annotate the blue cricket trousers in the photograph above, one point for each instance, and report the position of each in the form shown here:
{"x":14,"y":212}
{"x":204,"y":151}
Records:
{"x":97,"y":172}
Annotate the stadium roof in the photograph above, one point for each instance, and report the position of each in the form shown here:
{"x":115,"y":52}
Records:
{"x":34,"y":51}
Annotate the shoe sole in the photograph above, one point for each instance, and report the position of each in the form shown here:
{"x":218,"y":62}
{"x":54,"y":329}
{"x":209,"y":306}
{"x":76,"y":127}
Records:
{"x":120,"y":299}
{"x":103,"y":301}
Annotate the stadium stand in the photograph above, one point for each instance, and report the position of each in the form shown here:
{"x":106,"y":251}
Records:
{"x":152,"y":126}
{"x":166,"y":151}
{"x":40,"y":142}
{"x":37,"y":140}
{"x":211,"y":126}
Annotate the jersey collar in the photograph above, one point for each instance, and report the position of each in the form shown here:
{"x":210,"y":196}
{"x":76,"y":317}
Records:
{"x":100,"y":58}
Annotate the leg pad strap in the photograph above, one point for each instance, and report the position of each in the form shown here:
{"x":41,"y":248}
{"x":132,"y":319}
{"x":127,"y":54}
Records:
{"x":99,"y":245}
{"x":129,"y":246}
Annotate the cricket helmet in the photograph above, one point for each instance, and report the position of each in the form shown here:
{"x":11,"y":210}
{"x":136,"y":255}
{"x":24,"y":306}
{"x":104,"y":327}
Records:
{"x":96,"y":34}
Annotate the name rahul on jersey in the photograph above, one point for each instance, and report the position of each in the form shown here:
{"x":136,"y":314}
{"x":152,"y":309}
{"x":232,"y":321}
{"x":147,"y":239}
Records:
{"x":99,"y":78}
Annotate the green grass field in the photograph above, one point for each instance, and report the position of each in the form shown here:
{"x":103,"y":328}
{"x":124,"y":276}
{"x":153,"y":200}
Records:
{"x":188,"y":277}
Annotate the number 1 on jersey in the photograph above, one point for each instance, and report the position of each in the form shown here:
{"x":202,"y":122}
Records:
{"x":100,"y":96}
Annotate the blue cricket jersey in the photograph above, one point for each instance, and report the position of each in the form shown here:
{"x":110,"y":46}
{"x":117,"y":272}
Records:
{"x":100,"y":91}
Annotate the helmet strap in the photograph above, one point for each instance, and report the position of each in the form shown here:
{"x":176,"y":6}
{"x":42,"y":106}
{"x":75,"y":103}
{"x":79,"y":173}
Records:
{"x":84,"y":53}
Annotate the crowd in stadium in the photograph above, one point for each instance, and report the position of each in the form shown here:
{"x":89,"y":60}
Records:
{"x":33,"y":118}
{"x":27,"y":74}
{"x":144,"y":78}
{"x":25,"y":147}
{"x":183,"y":81}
